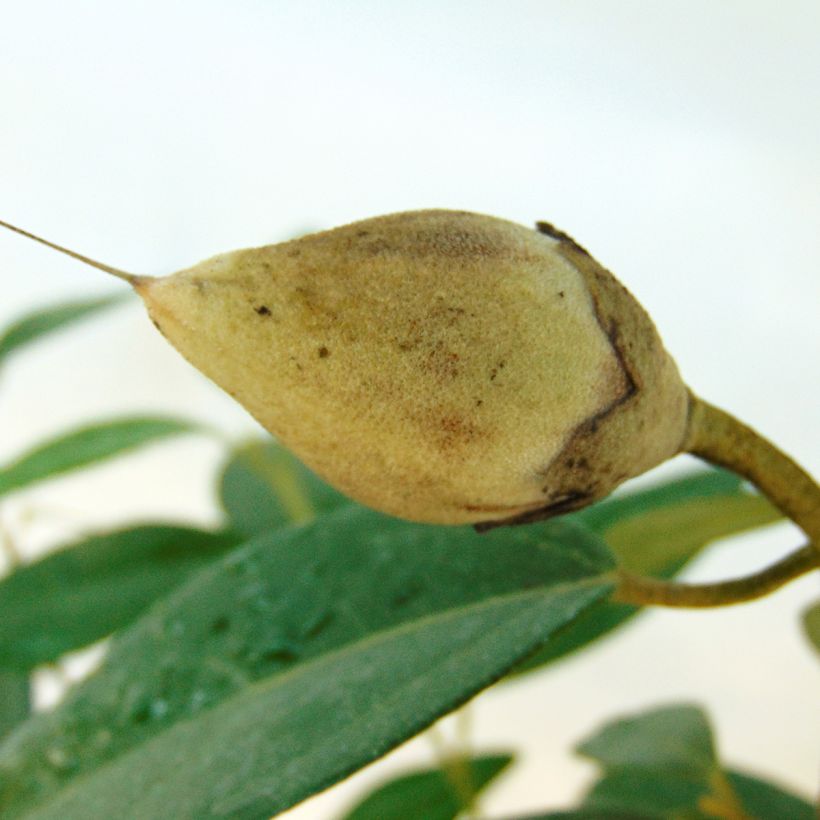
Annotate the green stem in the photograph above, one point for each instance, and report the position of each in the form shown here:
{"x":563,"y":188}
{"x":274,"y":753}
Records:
{"x":718,"y":437}
{"x":721,"y":439}
{"x":455,"y":766}
{"x":722,"y":801}
{"x":9,"y":550}
{"x":634,"y":589}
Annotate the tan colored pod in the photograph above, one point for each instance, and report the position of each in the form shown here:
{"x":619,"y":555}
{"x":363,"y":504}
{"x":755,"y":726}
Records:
{"x":441,"y":366}
{"x":450,"y":367}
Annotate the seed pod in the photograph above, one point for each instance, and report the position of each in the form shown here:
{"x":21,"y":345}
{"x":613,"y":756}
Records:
{"x":449,"y":367}
{"x":440,"y":366}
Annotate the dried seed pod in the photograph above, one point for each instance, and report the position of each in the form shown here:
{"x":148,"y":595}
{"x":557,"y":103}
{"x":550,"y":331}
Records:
{"x":440,"y":366}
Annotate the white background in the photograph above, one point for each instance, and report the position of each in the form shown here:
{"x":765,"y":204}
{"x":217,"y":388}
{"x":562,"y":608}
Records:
{"x":678,"y":141}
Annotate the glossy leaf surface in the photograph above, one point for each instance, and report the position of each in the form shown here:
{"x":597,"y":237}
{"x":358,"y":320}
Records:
{"x":295,"y":661}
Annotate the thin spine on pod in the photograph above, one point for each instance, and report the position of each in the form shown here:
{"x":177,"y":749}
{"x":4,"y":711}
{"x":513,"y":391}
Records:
{"x":131,"y":278}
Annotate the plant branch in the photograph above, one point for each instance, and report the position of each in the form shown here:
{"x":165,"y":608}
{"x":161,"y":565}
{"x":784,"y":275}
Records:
{"x":718,"y":437}
{"x":634,"y":589}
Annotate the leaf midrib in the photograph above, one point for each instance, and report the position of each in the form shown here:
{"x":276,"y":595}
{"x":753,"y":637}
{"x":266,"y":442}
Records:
{"x":257,"y":688}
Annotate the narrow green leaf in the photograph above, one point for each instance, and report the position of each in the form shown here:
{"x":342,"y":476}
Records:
{"x":811,"y":625}
{"x":40,"y":323}
{"x":673,"y":738}
{"x":263,"y":486}
{"x":87,"y":445}
{"x":659,"y":543}
{"x":700,"y":484}
{"x":432,"y":794}
{"x":88,"y":590}
{"x":662,"y":539}
{"x":294,"y":661}
{"x":15,"y":702}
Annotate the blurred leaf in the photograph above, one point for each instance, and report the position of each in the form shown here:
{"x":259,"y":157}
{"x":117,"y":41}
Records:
{"x":87,"y":445}
{"x":677,"y":739}
{"x":660,"y":795}
{"x":591,"y":814}
{"x":40,"y":323}
{"x":264,"y":487}
{"x":15,"y":703}
{"x":433,"y":794}
{"x":699,"y":484}
{"x":659,"y":543}
{"x":296,"y":660}
{"x":811,"y":625}
{"x":662,"y":540}
{"x":88,"y":590}
{"x":661,"y":765}
{"x":765,"y":801}
{"x":648,"y":793}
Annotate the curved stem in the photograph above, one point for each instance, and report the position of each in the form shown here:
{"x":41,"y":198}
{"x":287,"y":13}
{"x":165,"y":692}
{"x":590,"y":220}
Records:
{"x":634,"y":589}
{"x":718,"y":437}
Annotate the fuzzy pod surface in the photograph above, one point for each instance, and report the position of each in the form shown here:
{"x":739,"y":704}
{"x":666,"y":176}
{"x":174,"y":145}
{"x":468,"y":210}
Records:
{"x":440,"y":366}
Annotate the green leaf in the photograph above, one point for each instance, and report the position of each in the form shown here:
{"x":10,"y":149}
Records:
{"x":811,"y":625}
{"x":85,"y":446}
{"x":282,"y":740}
{"x":662,"y":764}
{"x":40,"y":323}
{"x":700,"y":484}
{"x":659,"y":764}
{"x":659,"y":543}
{"x":591,"y":814}
{"x":432,"y":794}
{"x":88,"y":590}
{"x":649,"y":793}
{"x":660,"y":795}
{"x":15,"y":702}
{"x":765,"y":801}
{"x":296,"y":660}
{"x":676,"y":739}
{"x":263,"y":486}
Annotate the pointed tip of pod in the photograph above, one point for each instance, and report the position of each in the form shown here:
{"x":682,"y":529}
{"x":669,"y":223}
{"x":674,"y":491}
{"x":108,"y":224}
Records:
{"x":140,"y":283}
